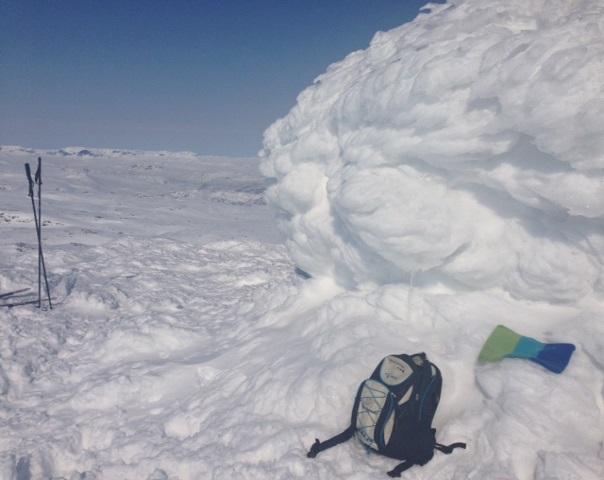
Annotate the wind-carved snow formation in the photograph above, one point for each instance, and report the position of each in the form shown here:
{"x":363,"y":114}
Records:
{"x":466,"y":146}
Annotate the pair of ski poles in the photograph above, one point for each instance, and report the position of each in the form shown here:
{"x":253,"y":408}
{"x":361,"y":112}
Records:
{"x":37,"y":180}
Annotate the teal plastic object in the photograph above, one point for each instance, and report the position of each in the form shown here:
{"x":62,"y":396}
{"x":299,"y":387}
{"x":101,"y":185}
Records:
{"x":505,"y":343}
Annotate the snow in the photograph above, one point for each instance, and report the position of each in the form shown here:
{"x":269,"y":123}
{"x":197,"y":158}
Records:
{"x":157,"y":275}
{"x":447,"y":179}
{"x":467,"y":143}
{"x":451,"y":176}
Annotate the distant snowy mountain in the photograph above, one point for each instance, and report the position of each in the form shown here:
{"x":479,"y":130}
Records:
{"x":132,"y":190}
{"x":93,"y":152}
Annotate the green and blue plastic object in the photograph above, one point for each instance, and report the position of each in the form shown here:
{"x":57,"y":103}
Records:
{"x":505,"y":343}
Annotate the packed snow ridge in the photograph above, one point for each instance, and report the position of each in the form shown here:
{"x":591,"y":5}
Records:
{"x":447,"y":179}
{"x":467,"y":146}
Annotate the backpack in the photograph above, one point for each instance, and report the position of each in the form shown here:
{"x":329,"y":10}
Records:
{"x":393,"y":412}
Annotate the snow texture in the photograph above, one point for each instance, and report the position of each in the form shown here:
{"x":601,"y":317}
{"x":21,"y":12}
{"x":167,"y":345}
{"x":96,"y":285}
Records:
{"x":450,"y":178}
{"x":447,"y":179}
{"x":160,"y":265}
{"x":467,"y":145}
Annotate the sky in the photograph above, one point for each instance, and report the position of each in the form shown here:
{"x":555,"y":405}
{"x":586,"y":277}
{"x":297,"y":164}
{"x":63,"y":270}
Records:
{"x":206,"y":76}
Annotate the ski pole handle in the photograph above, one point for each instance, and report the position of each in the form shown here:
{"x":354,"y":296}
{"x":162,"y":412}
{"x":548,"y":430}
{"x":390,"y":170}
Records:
{"x":38,"y":175}
{"x":30,"y":180}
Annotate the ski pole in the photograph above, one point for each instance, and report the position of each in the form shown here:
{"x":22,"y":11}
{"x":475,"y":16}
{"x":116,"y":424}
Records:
{"x":38,"y":179}
{"x":38,"y":233}
{"x":33,"y":206}
{"x":39,"y":227}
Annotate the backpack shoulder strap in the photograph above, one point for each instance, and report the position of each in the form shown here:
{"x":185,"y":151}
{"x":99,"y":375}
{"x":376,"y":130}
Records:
{"x":447,"y":449}
{"x":400,"y":468}
{"x":318,"y":446}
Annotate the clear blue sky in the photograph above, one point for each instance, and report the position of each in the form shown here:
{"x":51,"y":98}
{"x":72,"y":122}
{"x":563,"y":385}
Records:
{"x":207,"y":76}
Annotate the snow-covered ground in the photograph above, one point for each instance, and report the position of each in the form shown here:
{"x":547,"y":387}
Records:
{"x":446,"y":179}
{"x":161,"y":266}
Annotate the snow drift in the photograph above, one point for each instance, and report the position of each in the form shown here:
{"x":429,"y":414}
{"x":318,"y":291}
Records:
{"x":466,"y":145}
{"x":448,"y":178}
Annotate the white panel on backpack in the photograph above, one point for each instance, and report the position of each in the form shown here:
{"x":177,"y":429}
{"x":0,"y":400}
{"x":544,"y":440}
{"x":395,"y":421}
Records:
{"x":394,"y":370}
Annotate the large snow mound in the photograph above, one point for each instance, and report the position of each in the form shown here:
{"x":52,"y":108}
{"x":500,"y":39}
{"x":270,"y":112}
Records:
{"x":466,"y":147}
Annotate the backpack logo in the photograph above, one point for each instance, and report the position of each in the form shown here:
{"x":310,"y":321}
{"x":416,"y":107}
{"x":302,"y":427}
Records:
{"x":394,"y":370}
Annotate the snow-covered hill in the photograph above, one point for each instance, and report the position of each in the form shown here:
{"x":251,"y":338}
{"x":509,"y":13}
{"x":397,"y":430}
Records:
{"x":104,"y":192}
{"x":447,"y":179}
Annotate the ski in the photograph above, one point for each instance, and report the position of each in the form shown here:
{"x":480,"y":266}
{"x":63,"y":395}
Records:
{"x":17,"y":304}
{"x":14,"y":292}
{"x":17,"y":297}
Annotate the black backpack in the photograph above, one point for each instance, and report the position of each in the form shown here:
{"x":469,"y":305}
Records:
{"x":393,"y":412}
